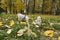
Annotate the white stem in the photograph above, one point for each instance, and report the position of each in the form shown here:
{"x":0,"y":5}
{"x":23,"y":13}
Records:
{"x":28,"y":25}
{"x":28,"y":29}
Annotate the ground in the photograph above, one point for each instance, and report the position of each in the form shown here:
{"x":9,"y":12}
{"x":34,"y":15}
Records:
{"x":35,"y":33}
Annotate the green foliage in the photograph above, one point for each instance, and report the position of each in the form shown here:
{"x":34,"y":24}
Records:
{"x":39,"y":31}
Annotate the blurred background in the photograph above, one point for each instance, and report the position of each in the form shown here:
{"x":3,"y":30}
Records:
{"x":30,"y":6}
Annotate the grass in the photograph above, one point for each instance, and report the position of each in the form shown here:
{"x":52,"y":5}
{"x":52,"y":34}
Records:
{"x":38,"y":31}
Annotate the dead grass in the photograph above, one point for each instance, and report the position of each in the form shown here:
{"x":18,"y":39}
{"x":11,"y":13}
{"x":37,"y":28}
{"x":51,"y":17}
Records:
{"x":46,"y":16}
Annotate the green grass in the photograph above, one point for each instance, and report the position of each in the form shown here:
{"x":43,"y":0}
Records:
{"x":40,"y":36}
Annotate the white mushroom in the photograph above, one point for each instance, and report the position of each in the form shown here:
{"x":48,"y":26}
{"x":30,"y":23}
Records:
{"x":20,"y":16}
{"x":39,"y":21}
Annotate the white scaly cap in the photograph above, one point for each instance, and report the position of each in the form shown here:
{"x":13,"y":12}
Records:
{"x":20,"y":16}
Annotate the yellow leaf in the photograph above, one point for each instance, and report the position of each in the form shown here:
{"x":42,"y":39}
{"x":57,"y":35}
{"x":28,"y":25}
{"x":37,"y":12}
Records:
{"x":49,"y":33}
{"x":23,"y":23}
{"x":1,"y":23}
{"x":58,"y":38}
{"x":12,"y":23}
